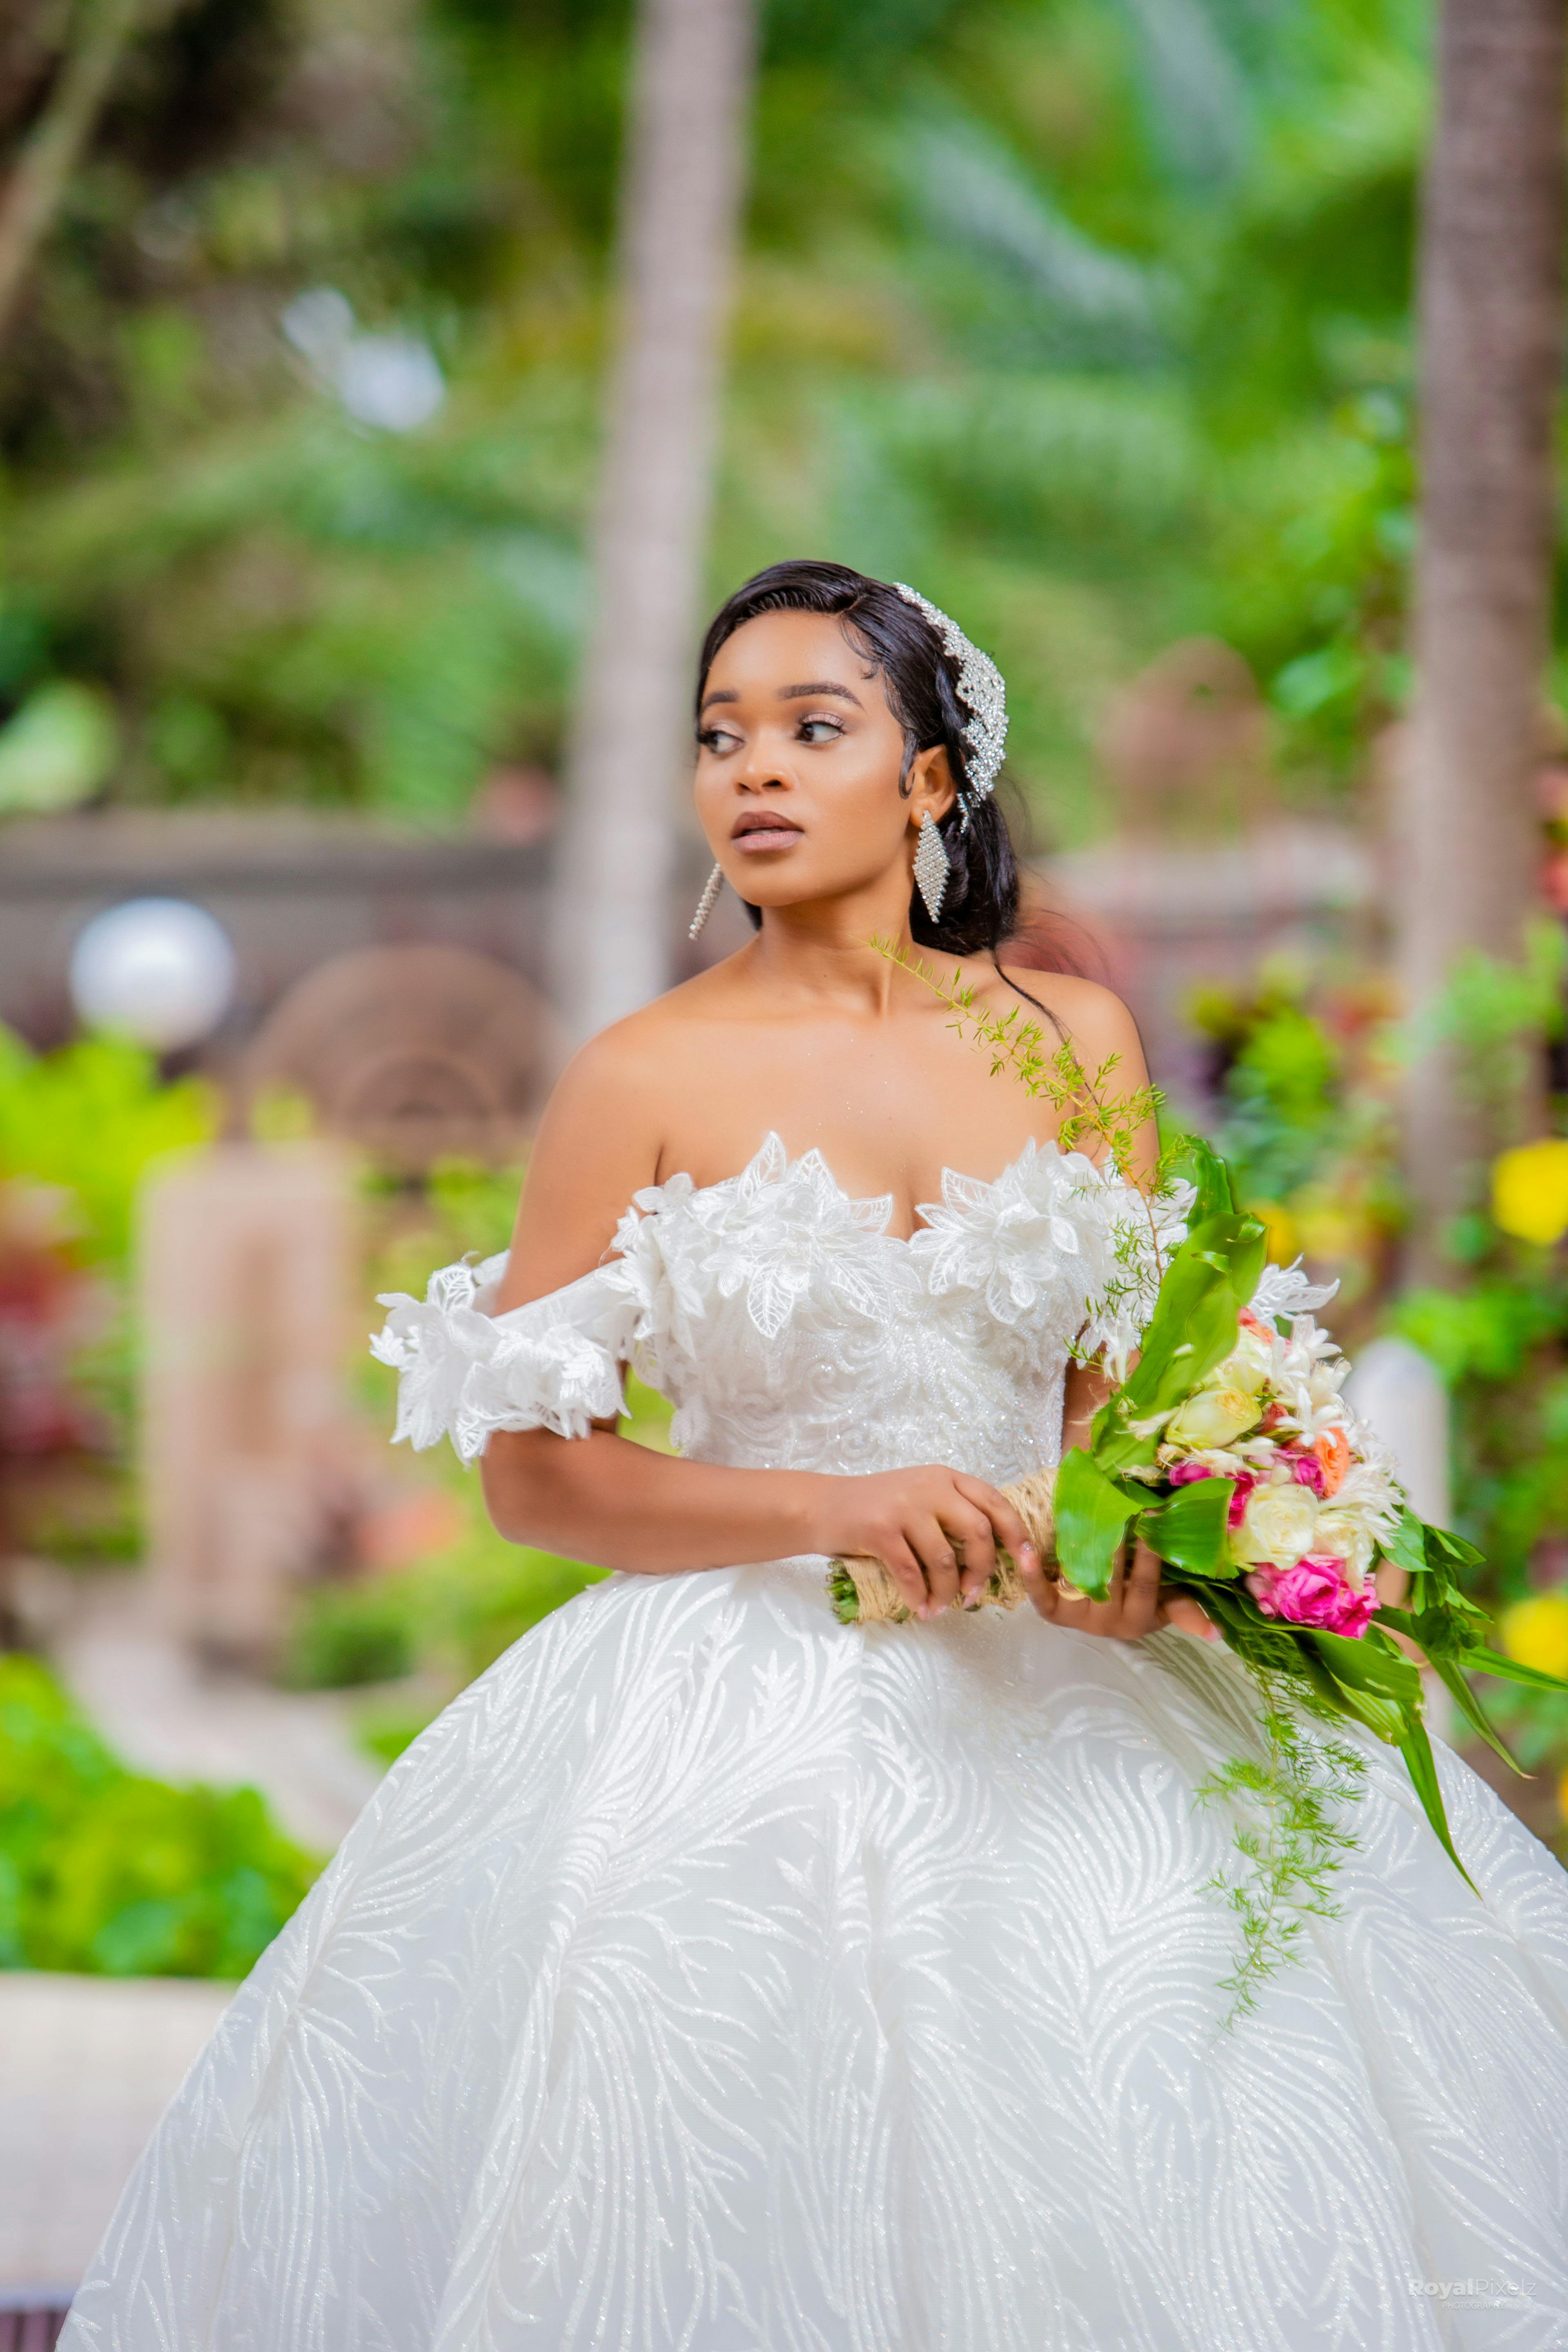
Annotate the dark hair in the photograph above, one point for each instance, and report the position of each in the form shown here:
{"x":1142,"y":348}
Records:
{"x":919,"y":678}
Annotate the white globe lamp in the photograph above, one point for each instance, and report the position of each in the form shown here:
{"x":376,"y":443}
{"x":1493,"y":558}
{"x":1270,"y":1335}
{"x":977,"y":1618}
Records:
{"x":157,"y":969}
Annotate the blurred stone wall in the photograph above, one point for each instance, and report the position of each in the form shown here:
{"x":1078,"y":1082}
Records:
{"x":289,"y":889}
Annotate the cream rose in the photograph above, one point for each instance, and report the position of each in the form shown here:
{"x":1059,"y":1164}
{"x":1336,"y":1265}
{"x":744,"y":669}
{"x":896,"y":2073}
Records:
{"x":1280,"y":1526}
{"x":1211,"y":1417}
{"x":1340,"y":1535}
{"x":1247,"y":1366}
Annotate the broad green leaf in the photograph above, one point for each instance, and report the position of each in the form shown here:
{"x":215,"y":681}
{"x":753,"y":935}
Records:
{"x":1191,"y":1155}
{"x":1407,"y":1547}
{"x":1189,"y":1530}
{"x":1378,"y":1681}
{"x":1208,"y":1281}
{"x":1443,"y":1546}
{"x":1092,"y":1522}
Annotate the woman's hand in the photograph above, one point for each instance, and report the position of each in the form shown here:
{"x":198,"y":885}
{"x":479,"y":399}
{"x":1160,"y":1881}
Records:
{"x":936,"y":1531}
{"x":1136,"y":1604}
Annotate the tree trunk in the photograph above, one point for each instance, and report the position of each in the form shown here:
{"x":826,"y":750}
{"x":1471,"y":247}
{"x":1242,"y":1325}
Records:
{"x":1490,"y":324}
{"x":31,"y":196}
{"x":680,"y":196}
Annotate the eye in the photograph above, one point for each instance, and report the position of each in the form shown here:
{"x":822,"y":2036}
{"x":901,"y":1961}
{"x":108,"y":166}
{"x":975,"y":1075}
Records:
{"x":720,"y":740}
{"x":819,"y":730}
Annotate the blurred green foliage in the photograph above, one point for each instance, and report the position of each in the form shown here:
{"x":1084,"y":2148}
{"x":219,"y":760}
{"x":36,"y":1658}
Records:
{"x":1500,"y":1341}
{"x":92,"y":1118}
{"x":448,"y":1618}
{"x":1498,"y":1330}
{"x":1091,"y":315}
{"x":460,"y":1210}
{"x":439,"y":1620}
{"x":106,"y":1871}
{"x":1302,"y":1077}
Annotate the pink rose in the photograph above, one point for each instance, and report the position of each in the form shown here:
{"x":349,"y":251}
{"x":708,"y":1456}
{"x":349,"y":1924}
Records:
{"x":1184,"y":1474}
{"x":1244,"y":1486}
{"x":1314,"y":1592}
{"x":1308,"y":1471}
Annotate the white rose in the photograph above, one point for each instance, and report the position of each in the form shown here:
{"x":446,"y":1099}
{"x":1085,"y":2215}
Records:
{"x":1211,"y":1417}
{"x":1280,"y":1526}
{"x":1340,"y":1535}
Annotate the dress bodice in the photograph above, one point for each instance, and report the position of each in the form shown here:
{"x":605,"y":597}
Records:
{"x":791,"y":1329}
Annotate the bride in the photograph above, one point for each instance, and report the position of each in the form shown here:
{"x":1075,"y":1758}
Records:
{"x":713,"y":1976}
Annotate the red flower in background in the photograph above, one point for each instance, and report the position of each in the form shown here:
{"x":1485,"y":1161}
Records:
{"x":50,"y":1306}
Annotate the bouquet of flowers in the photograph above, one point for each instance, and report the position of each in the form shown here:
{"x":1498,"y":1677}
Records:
{"x":1229,"y":1450}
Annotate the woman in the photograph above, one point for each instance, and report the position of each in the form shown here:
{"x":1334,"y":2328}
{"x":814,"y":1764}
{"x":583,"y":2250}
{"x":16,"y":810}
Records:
{"x":716,"y":1978}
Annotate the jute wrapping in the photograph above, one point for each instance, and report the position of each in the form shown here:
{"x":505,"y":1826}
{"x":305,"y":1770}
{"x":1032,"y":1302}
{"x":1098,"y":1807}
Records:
{"x":881,"y":1603}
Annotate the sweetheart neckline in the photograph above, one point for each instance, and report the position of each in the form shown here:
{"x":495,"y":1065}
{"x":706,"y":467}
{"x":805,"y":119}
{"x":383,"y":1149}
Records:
{"x":814,"y":1156}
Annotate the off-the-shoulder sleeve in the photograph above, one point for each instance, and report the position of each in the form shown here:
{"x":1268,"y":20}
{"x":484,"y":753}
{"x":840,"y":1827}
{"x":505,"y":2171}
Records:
{"x":463,"y":1374}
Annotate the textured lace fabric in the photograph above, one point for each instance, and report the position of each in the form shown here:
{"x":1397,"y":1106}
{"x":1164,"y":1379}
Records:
{"x":714,"y":1977}
{"x":792,"y":1331}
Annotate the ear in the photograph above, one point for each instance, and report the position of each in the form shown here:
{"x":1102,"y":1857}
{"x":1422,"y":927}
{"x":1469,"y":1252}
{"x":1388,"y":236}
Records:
{"x":931,"y":788}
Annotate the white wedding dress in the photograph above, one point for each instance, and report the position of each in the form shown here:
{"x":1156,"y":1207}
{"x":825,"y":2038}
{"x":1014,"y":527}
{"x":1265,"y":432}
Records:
{"x":715,"y":1978}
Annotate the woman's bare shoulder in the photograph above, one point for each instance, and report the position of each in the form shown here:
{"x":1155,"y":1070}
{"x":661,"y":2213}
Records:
{"x":1094,"y":1018}
{"x":601,"y":1139}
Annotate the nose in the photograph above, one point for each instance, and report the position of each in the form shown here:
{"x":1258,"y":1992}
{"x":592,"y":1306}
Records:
{"x":759,"y":776}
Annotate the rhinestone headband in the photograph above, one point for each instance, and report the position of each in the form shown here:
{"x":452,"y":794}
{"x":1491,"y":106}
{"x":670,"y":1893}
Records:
{"x":980,"y":689}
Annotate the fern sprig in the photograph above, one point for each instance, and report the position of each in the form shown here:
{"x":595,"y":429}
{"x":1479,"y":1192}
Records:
{"x":1088,"y":1113}
{"x":1297,"y":1787}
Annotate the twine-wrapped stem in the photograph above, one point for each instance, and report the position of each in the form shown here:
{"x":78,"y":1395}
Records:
{"x":864,"y":1593}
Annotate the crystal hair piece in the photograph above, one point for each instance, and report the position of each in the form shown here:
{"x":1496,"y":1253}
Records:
{"x":980,"y":689}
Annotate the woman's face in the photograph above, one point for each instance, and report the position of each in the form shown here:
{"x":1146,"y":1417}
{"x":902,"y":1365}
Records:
{"x":798,"y":766}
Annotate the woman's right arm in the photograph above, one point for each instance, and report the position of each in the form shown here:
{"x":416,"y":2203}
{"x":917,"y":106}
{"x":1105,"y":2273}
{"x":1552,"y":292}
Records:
{"x":605,"y":1499}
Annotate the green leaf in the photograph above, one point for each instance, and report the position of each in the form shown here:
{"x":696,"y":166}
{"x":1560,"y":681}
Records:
{"x":1434,"y":1631}
{"x":1092,"y":1522}
{"x":1444,"y":1547}
{"x":1407,"y":1547}
{"x":1192,"y":1157}
{"x":1417,"y":1749}
{"x":1379,"y":1681}
{"x":1187,"y":1334}
{"x":1192,"y":1329}
{"x":1373,"y":1661}
{"x":1482,"y":1661}
{"x":1474,"y":1713}
{"x":1189,"y":1531}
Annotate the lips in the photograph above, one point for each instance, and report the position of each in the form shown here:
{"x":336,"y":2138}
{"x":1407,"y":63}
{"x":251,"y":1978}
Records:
{"x":761,"y":829}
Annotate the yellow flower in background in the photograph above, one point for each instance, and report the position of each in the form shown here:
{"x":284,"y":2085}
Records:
{"x":1535,"y":1633}
{"x":1529,"y":1190}
{"x":1330,"y":1233}
{"x":1280,"y":1227}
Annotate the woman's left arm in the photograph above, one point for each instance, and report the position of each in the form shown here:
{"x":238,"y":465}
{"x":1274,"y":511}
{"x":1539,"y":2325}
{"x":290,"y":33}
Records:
{"x":1103,"y":1030}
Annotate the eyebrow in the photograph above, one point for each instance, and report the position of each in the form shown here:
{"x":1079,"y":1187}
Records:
{"x":790,"y":693}
{"x":819,"y":686}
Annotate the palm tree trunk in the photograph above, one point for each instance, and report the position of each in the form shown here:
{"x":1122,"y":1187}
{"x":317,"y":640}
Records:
{"x":31,"y":196}
{"x":680,"y":197}
{"x":1491,"y":300}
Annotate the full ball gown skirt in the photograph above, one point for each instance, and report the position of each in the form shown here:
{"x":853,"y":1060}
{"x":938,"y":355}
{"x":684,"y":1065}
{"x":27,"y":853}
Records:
{"x":714,"y":1977}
